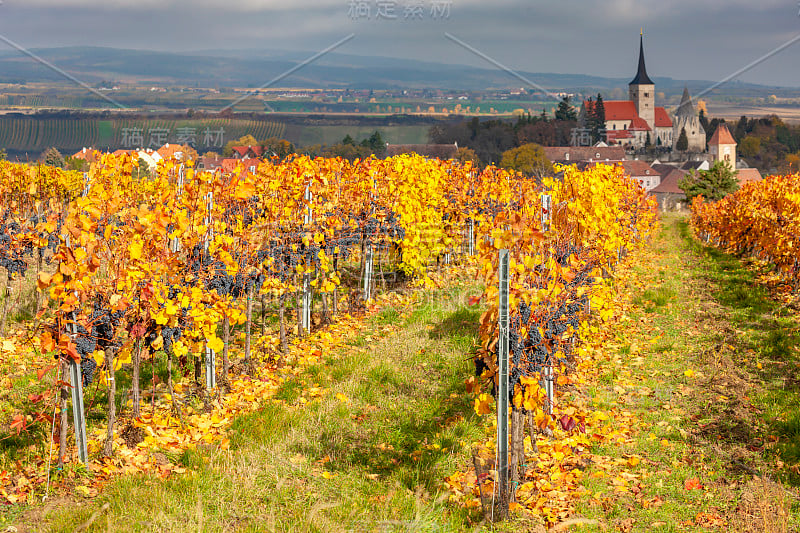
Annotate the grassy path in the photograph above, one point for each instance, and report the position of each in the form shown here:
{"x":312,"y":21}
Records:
{"x":705,"y":361}
{"x":359,"y":442}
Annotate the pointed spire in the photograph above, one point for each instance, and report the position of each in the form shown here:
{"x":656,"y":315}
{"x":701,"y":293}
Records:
{"x":641,"y":76}
{"x":686,"y":107}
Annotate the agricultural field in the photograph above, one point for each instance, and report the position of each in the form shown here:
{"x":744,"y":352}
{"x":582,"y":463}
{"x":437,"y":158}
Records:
{"x":33,"y":135}
{"x":321,"y":345}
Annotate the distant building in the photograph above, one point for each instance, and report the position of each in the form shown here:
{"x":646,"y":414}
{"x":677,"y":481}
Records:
{"x":247,"y":152}
{"x":636,"y":169}
{"x":687,"y":120}
{"x":668,"y":194}
{"x":722,"y":146}
{"x":568,"y":155}
{"x":172,"y":151}
{"x":631,"y":122}
{"x":90,"y":155}
{"x":149,"y":156}
{"x":746,"y":175}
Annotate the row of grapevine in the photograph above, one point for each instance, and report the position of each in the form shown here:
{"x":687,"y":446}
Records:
{"x":761,"y":219}
{"x":562,"y":241}
{"x":162,"y":268}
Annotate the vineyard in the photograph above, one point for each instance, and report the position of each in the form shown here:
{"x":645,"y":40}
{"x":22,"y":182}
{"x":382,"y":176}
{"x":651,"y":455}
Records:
{"x":143,"y":317}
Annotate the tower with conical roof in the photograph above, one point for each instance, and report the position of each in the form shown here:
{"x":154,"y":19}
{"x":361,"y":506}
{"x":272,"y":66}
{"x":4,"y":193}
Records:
{"x":641,"y":89}
{"x":686,"y":120}
{"x":722,"y":146}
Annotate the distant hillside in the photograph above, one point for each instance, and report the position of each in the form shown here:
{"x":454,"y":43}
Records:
{"x":251,"y":68}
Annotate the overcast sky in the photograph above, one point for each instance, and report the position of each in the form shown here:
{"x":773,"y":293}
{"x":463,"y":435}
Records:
{"x":684,"y":39}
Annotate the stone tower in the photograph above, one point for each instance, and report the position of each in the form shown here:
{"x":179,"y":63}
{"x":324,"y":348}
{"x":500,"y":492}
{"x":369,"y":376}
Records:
{"x":722,"y":146}
{"x":642,"y":90}
{"x":686,"y":119}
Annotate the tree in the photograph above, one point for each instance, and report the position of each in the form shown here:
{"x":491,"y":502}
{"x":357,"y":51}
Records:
{"x":142,"y":170}
{"x":348,"y":140}
{"x":683,"y":141}
{"x":375,"y":143}
{"x":703,"y":118}
{"x":351,"y":152}
{"x":52,"y":157}
{"x":3,"y":155}
{"x":565,"y":111}
{"x":245,"y":140}
{"x":712,"y":184}
{"x":598,"y":133}
{"x":280,"y":148}
{"x":76,"y":163}
{"x":749,"y":146}
{"x":528,"y":159}
{"x":464,"y":154}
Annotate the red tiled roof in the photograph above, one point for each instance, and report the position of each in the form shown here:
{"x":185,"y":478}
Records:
{"x":87,"y":154}
{"x":618,"y":135}
{"x":638,"y":123}
{"x":638,"y":168}
{"x":211,"y":163}
{"x":230,"y":164}
{"x":244,"y":150}
{"x":746,"y":175}
{"x":662,"y":118}
{"x":669,"y":182}
{"x":633,"y":168}
{"x":722,"y":136}
{"x":168,"y":151}
{"x":620,"y":109}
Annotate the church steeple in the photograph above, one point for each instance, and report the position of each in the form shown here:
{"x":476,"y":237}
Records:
{"x":641,"y":76}
{"x":685,"y":108}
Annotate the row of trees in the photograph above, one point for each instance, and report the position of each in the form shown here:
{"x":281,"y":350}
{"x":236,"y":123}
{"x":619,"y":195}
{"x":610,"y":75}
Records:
{"x":489,"y":139}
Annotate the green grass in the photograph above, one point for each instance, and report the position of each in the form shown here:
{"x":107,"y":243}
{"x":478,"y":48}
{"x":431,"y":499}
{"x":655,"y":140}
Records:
{"x":700,"y":310}
{"x":372,"y":459}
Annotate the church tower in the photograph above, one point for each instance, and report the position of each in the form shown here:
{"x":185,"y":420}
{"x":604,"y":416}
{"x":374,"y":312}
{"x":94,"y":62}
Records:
{"x":686,"y":120}
{"x":642,"y":90}
{"x":722,"y":146}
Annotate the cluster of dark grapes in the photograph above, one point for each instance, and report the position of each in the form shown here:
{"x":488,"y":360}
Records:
{"x":11,"y":258}
{"x":545,"y":325}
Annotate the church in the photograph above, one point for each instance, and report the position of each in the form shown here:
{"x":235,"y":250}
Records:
{"x":635,"y":122}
